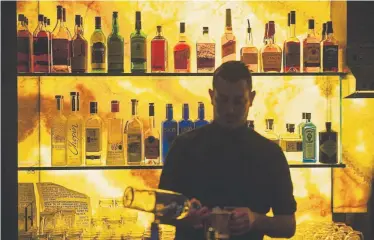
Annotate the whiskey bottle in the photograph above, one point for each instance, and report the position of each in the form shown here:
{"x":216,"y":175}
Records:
{"x":271,"y":53}
{"x":58,"y":135}
{"x":228,"y":40}
{"x":249,"y":53}
{"x":98,"y":48}
{"x":152,"y":139}
{"x":138,"y":41}
{"x":309,"y":140}
{"x":328,"y":146}
{"x":206,"y":53}
{"x":93,"y":138}
{"x":74,"y":139}
{"x":312,"y":53}
{"x":159,"y":52}
{"x":60,"y":45}
{"x":269,"y":131}
{"x":169,"y":131}
{"x":201,"y":116}
{"x":115,"y":47}
{"x":134,"y":130}
{"x":292,"y":48}
{"x":115,"y":148}
{"x":291,"y":144}
{"x":24,"y":46}
{"x":79,"y":49}
{"x":41,"y":47}
{"x":330,"y":50}
{"x":182,"y":52}
{"x":185,"y":125}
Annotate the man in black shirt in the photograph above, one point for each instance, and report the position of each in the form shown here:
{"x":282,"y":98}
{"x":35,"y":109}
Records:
{"x":226,"y":164}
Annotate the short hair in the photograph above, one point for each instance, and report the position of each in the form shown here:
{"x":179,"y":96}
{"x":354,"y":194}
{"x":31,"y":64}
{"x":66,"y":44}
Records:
{"x":233,"y":71}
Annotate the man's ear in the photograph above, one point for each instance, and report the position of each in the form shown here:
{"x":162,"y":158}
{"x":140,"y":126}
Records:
{"x":251,"y":97}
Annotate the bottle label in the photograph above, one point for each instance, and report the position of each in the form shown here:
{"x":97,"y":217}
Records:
{"x":98,"y":53}
{"x":79,"y":55}
{"x":58,"y":135}
{"x":138,"y":49}
{"x":93,"y":140}
{"x":272,"y":60}
{"x":23,"y":54}
{"x":60,"y":51}
{"x":115,"y":55}
{"x":312,"y":55}
{"x":292,"y":54}
{"x":229,"y":48}
{"x":185,"y":129}
{"x":182,"y":58}
{"x":134,"y":148}
{"x":169,"y":134}
{"x":309,"y":143}
{"x":250,"y":59}
{"x":152,"y":148}
{"x":41,"y":50}
{"x":74,"y":144}
{"x":329,"y":147}
{"x":158,"y":53}
{"x":292,"y":146}
{"x":115,"y":147}
{"x":206,"y":53}
{"x":330,"y":57}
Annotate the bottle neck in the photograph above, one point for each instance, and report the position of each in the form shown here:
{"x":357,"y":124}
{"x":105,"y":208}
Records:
{"x":292,"y":30}
{"x":169,"y":113}
{"x":311,"y":33}
{"x":138,"y":26}
{"x":159,"y":34}
{"x":201,"y":114}
{"x":186,"y":113}
{"x":152,"y":122}
{"x":249,"y":40}
{"x":134,"y":110}
{"x":74,"y":104}
{"x":115,"y":26}
{"x":182,"y":37}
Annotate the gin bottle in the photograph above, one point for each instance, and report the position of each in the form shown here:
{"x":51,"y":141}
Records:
{"x":309,"y":141}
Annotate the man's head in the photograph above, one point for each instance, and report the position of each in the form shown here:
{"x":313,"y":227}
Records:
{"x":232,"y":94}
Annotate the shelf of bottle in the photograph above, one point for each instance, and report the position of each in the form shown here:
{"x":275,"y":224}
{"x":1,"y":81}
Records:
{"x":153,"y":167}
{"x":170,"y":74}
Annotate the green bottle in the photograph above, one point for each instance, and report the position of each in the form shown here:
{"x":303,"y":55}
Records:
{"x":115,"y":47}
{"x":138,"y":47}
{"x":98,"y":48}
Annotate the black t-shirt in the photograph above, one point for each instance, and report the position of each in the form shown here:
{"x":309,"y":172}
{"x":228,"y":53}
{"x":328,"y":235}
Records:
{"x":236,"y":168}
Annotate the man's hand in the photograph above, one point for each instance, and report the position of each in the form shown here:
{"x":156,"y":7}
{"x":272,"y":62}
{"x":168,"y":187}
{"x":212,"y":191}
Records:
{"x":196,"y":217}
{"x":242,"y":220}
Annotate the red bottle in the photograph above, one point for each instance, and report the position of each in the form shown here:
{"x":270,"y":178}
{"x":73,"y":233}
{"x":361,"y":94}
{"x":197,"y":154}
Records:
{"x":24,"y":46}
{"x":159,"y":52}
{"x":42,"y":53}
{"x":182,"y":53}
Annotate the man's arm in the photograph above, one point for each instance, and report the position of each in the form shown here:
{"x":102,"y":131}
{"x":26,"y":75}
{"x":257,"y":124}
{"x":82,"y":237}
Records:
{"x":279,"y":226}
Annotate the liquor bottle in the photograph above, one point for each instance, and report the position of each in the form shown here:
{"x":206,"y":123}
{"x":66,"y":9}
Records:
{"x":152,"y":139}
{"x":201,"y":116}
{"x":41,"y":46}
{"x":249,"y":53}
{"x":60,"y":45}
{"x":94,"y":130}
{"x":58,"y":135}
{"x":115,"y":147}
{"x":169,"y":131}
{"x":115,"y":47}
{"x":138,"y":40}
{"x":79,"y":49}
{"x":185,"y":125}
{"x":269,"y":131}
{"x":301,"y":124}
{"x":328,"y":145}
{"x":49,"y":31}
{"x":228,"y":40}
{"x":67,"y":30}
{"x":134,"y":130}
{"x":182,"y":52}
{"x":24,"y":46}
{"x":324,"y":31}
{"x":271,"y":53}
{"x":291,"y":144}
{"x":265,"y":41}
{"x":309,"y":140}
{"x":98,"y":48}
{"x":330,"y":50}
{"x":251,"y":124}
{"x":159,"y":52}
{"x":312,"y":53}
{"x":74,"y":134}
{"x":292,"y":48}
{"x":288,"y":36}
{"x":205,"y":53}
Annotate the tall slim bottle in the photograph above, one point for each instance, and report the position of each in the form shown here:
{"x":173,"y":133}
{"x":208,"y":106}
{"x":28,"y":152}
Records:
{"x":169,"y":132}
{"x":159,"y":52}
{"x":309,"y":135}
{"x":58,"y":135}
{"x":41,"y":47}
{"x":138,"y":40}
{"x":74,"y":140}
{"x":115,"y":47}
{"x":24,"y":46}
{"x":292,"y":48}
{"x":115,"y":149}
{"x":206,"y":53}
{"x":249,"y":53}
{"x":182,"y":52}
{"x":330,"y":50}
{"x":152,"y":139}
{"x":94,"y":130}
{"x":79,"y":49}
{"x":228,"y":40}
{"x":98,"y":48}
{"x":135,"y":143}
{"x":185,"y":125}
{"x":312,"y":53}
{"x":201,"y":116}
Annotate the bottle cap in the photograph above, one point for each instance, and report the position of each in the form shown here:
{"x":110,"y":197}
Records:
{"x":138,"y":16}
{"x":289,"y":19}
{"x":59,"y":12}
{"x":93,"y":107}
{"x":200,"y":104}
{"x":308,"y":116}
{"x":114,"y":106}
{"x":271,"y":30}
{"x":48,"y":21}
{"x":328,"y":126}
{"x":151,"y":109}
{"x":169,"y":105}
{"x":182,"y":27}
{"x":228,"y":17}
{"x":98,"y":22}
{"x":41,"y":17}
{"x":74,"y":94}
{"x":159,"y":29}
{"x":293,"y":17}
{"x":185,"y":105}
{"x":115,"y":14}
{"x":329,"y":27}
{"x":311,"y":24}
{"x":21,"y":17}
{"x":269,"y":123}
{"x":323,"y":28}
{"x":304,"y":115}
{"x":45,"y":20}
{"x":59,"y":97}
{"x":64,"y":14}
{"x":249,"y":26}
{"x":205,"y":29}
{"x":291,"y":127}
{"x":78,"y":20}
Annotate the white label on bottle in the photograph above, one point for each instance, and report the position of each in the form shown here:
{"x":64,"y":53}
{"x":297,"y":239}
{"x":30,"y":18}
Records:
{"x":309,"y":143}
{"x":272,"y":60}
{"x":93,"y":140}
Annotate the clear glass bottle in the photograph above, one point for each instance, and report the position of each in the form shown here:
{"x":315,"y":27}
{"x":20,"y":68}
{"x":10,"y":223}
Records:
{"x":159,"y":52}
{"x":135,"y":143}
{"x":328,"y":145}
{"x":182,"y":52}
{"x":79,"y":49}
{"x":228,"y":40}
{"x":169,"y":132}
{"x":205,"y":53}
{"x":41,"y":48}
{"x":291,"y":144}
{"x":138,"y":40}
{"x":330,"y":50}
{"x":185,"y":125}
{"x":94,"y":131}
{"x":98,"y":48}
{"x":152,"y":139}
{"x":249,"y":53}
{"x":60,"y":45}
{"x":24,"y":46}
{"x":74,"y":139}
{"x":312,"y":50}
{"x":58,"y":135}
{"x":271,"y":53}
{"x":292,"y":48}
{"x":115,"y":47}
{"x":269,"y":131}
{"x":309,"y":135}
{"x":201,"y":116}
{"x":115,"y":148}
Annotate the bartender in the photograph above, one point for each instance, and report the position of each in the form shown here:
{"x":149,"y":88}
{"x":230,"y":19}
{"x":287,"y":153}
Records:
{"x":227,"y":164}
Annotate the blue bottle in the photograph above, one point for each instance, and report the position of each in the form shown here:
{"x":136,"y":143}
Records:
{"x":169,"y":131}
{"x":309,"y":134}
{"x":185,"y":124}
{"x":201,"y":116}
